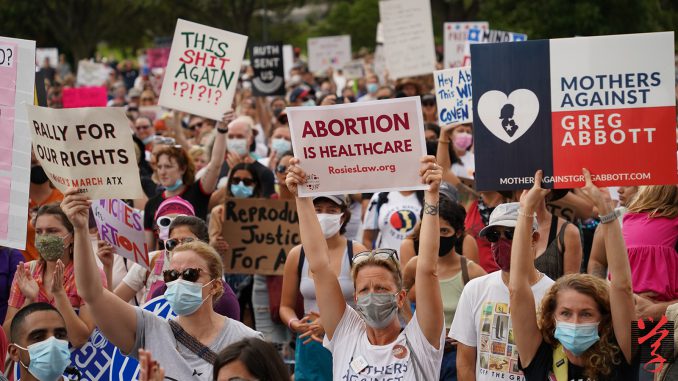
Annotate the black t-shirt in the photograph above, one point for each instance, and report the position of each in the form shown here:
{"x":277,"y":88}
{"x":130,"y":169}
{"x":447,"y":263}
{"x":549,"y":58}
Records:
{"x":193,"y":194}
{"x":542,"y":364}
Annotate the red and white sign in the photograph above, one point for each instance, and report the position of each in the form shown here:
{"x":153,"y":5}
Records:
{"x":122,"y":227}
{"x":359,"y":147}
{"x":455,"y":36}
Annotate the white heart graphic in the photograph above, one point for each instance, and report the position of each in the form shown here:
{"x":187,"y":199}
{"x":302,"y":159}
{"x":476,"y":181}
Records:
{"x":526,"y":109}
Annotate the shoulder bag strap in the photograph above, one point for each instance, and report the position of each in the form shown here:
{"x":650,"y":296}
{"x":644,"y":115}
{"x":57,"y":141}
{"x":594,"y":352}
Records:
{"x":349,"y":252}
{"x":559,"y":367}
{"x":464,"y":269}
{"x":192,"y":343}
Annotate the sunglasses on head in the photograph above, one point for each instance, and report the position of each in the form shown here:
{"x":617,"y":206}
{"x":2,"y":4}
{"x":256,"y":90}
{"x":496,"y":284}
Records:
{"x":172,"y":243}
{"x":238,"y":180}
{"x":381,"y":254}
{"x":494,"y":235}
{"x":194,"y":126}
{"x":281,"y":169}
{"x":189,"y":274}
{"x":164,"y":221}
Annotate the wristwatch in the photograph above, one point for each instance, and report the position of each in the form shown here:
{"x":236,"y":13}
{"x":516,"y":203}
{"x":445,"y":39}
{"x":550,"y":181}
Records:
{"x":222,"y":130}
{"x":613,"y":215}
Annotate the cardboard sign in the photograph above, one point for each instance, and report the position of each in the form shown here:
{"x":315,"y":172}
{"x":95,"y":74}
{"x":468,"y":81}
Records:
{"x":260,"y":233}
{"x":408,"y":37}
{"x":203,"y":69}
{"x":122,"y":226}
{"x":269,"y":72}
{"x":326,"y":52}
{"x":362,"y":147}
{"x":88,"y":148}
{"x":157,"y":57}
{"x":603,"y":103}
{"x":84,"y":97}
{"x":51,"y":53}
{"x":483,"y":36}
{"x":455,"y":36}
{"x":92,"y":73}
{"x":354,"y":69}
{"x":17,"y":86}
{"x":454,"y":95}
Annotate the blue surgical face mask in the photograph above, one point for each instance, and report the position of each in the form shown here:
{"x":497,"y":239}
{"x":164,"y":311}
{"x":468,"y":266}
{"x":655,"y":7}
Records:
{"x":309,"y":102}
{"x":176,"y":185}
{"x":280,"y":146}
{"x":185,"y":297}
{"x":241,"y":190}
{"x":148,"y":139}
{"x":576,"y":338}
{"x":372,"y":88}
{"x":238,"y":146}
{"x":49,"y":359}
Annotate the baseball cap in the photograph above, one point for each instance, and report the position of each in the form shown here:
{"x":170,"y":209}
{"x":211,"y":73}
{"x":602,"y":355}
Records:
{"x":505,"y":215}
{"x":337,"y":199}
{"x":175,"y":205}
{"x":297,"y":93}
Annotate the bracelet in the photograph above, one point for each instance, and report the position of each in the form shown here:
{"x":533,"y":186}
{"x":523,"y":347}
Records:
{"x":443,"y":141}
{"x":523,"y":214}
{"x":222,"y":130}
{"x":289,"y":323}
{"x":431,"y":209}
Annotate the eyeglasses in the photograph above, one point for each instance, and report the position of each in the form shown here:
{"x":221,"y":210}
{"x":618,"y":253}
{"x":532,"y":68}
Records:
{"x":238,"y":180}
{"x":380,"y":254}
{"x":281,"y":169}
{"x":189,"y":274}
{"x":494,"y":235}
{"x":172,"y":243}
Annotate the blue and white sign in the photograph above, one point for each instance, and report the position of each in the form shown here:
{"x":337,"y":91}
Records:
{"x":453,"y":95}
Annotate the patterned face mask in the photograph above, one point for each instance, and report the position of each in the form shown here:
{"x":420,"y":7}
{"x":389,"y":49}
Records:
{"x":50,"y":247}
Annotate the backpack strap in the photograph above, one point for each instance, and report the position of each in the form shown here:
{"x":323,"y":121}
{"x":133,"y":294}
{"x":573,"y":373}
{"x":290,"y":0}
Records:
{"x":190,"y":342}
{"x":561,"y":238}
{"x":300,"y":265}
{"x":559,"y":367}
{"x":349,"y":252}
{"x":464,"y":269}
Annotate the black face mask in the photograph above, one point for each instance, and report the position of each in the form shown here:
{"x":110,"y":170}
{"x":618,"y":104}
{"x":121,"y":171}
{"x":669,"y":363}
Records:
{"x":446,"y":245}
{"x":38,"y":175}
{"x":277,"y":111}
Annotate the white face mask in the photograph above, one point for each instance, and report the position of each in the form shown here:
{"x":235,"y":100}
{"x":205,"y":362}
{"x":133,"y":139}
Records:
{"x":329,"y":223}
{"x":238,"y":146}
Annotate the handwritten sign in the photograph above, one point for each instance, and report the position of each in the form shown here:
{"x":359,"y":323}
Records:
{"x":408,"y":37}
{"x":203,"y":69}
{"x":455,"y":36}
{"x":359,"y":147}
{"x":483,"y":36}
{"x":269,"y":73}
{"x":88,"y":148}
{"x":7,"y":54}
{"x":566,"y":104}
{"x":260,"y":233}
{"x":84,"y":97}
{"x":354,"y":69}
{"x":326,"y":52}
{"x":157,"y":57}
{"x":453,"y":95}
{"x":8,"y":77}
{"x":51,"y":53}
{"x":122,"y":226}
{"x":92,"y":73}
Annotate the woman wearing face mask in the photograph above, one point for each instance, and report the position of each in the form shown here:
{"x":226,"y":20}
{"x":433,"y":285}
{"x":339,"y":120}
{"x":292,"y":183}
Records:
{"x":50,"y":279}
{"x":454,"y":271}
{"x":583,"y":329}
{"x":176,"y":173}
{"x":186,"y":346}
{"x":313,"y":362}
{"x":461,"y":138}
{"x":249,"y":360}
{"x":367,"y":342}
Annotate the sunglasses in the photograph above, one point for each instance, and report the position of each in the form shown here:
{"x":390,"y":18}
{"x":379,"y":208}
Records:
{"x":164,"y":221}
{"x":146,"y":127}
{"x":238,"y":180}
{"x":147,"y":99}
{"x":190,"y":275}
{"x":172,"y":243}
{"x":194,"y":126}
{"x":428,"y":104}
{"x":381,"y":254}
{"x":494,"y":235}
{"x":281,"y":169}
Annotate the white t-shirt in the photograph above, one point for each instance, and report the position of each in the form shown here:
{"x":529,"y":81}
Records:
{"x":482,"y":320}
{"x":355,"y":359}
{"x":467,"y":167}
{"x":138,"y":277}
{"x":396,"y":219}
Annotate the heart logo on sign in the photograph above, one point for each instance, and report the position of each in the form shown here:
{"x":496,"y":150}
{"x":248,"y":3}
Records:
{"x":508,"y":118}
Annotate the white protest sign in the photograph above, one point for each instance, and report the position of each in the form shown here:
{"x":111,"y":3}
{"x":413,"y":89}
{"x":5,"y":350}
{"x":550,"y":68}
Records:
{"x":51,"y":53}
{"x":17,"y":86}
{"x":455,"y":35}
{"x":92,"y":73}
{"x":408,"y":37}
{"x":326,"y":52}
{"x":354,"y":69}
{"x":359,"y":147}
{"x":453,"y":95}
{"x":288,"y":60}
{"x":89,"y":148}
{"x":203,"y":69}
{"x":123,"y":227}
{"x":483,"y":36}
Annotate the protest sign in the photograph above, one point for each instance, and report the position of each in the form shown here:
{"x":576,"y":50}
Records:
{"x":354,"y":69}
{"x":604,"y":103}
{"x":157,"y":57}
{"x":122,"y":226}
{"x":92,"y":73}
{"x":152,"y":112}
{"x":483,"y":36}
{"x":408,"y":37}
{"x":453,"y":95}
{"x":50,"y":53}
{"x":269,"y":71}
{"x":326,"y":52}
{"x":88,"y":148}
{"x":360,"y":147}
{"x":260,"y":233}
{"x":203,"y":69}
{"x":84,"y":97}
{"x":288,"y":60}
{"x":455,"y":36}
{"x":17,"y":86}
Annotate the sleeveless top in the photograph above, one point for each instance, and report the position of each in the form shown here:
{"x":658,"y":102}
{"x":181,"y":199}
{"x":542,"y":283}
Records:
{"x":551,"y":261}
{"x":450,"y":290}
{"x":307,"y":288}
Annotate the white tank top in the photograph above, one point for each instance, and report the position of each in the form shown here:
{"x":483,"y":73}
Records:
{"x":307,"y":288}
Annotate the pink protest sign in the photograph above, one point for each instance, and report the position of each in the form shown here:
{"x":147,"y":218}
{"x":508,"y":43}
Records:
{"x":359,"y":147}
{"x":122,"y":227}
{"x":85,"y":97}
{"x":8,"y":58}
{"x":157,"y":57}
{"x":5,"y":188}
{"x":7,"y":133}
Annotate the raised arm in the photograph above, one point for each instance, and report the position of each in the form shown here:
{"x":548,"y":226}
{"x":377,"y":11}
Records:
{"x":430,"y":309}
{"x":523,"y":311}
{"x":621,"y":291}
{"x":175,"y":123}
{"x":328,"y":292}
{"x":116,"y":319}
{"x":211,"y":176}
{"x":443,"y":155}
